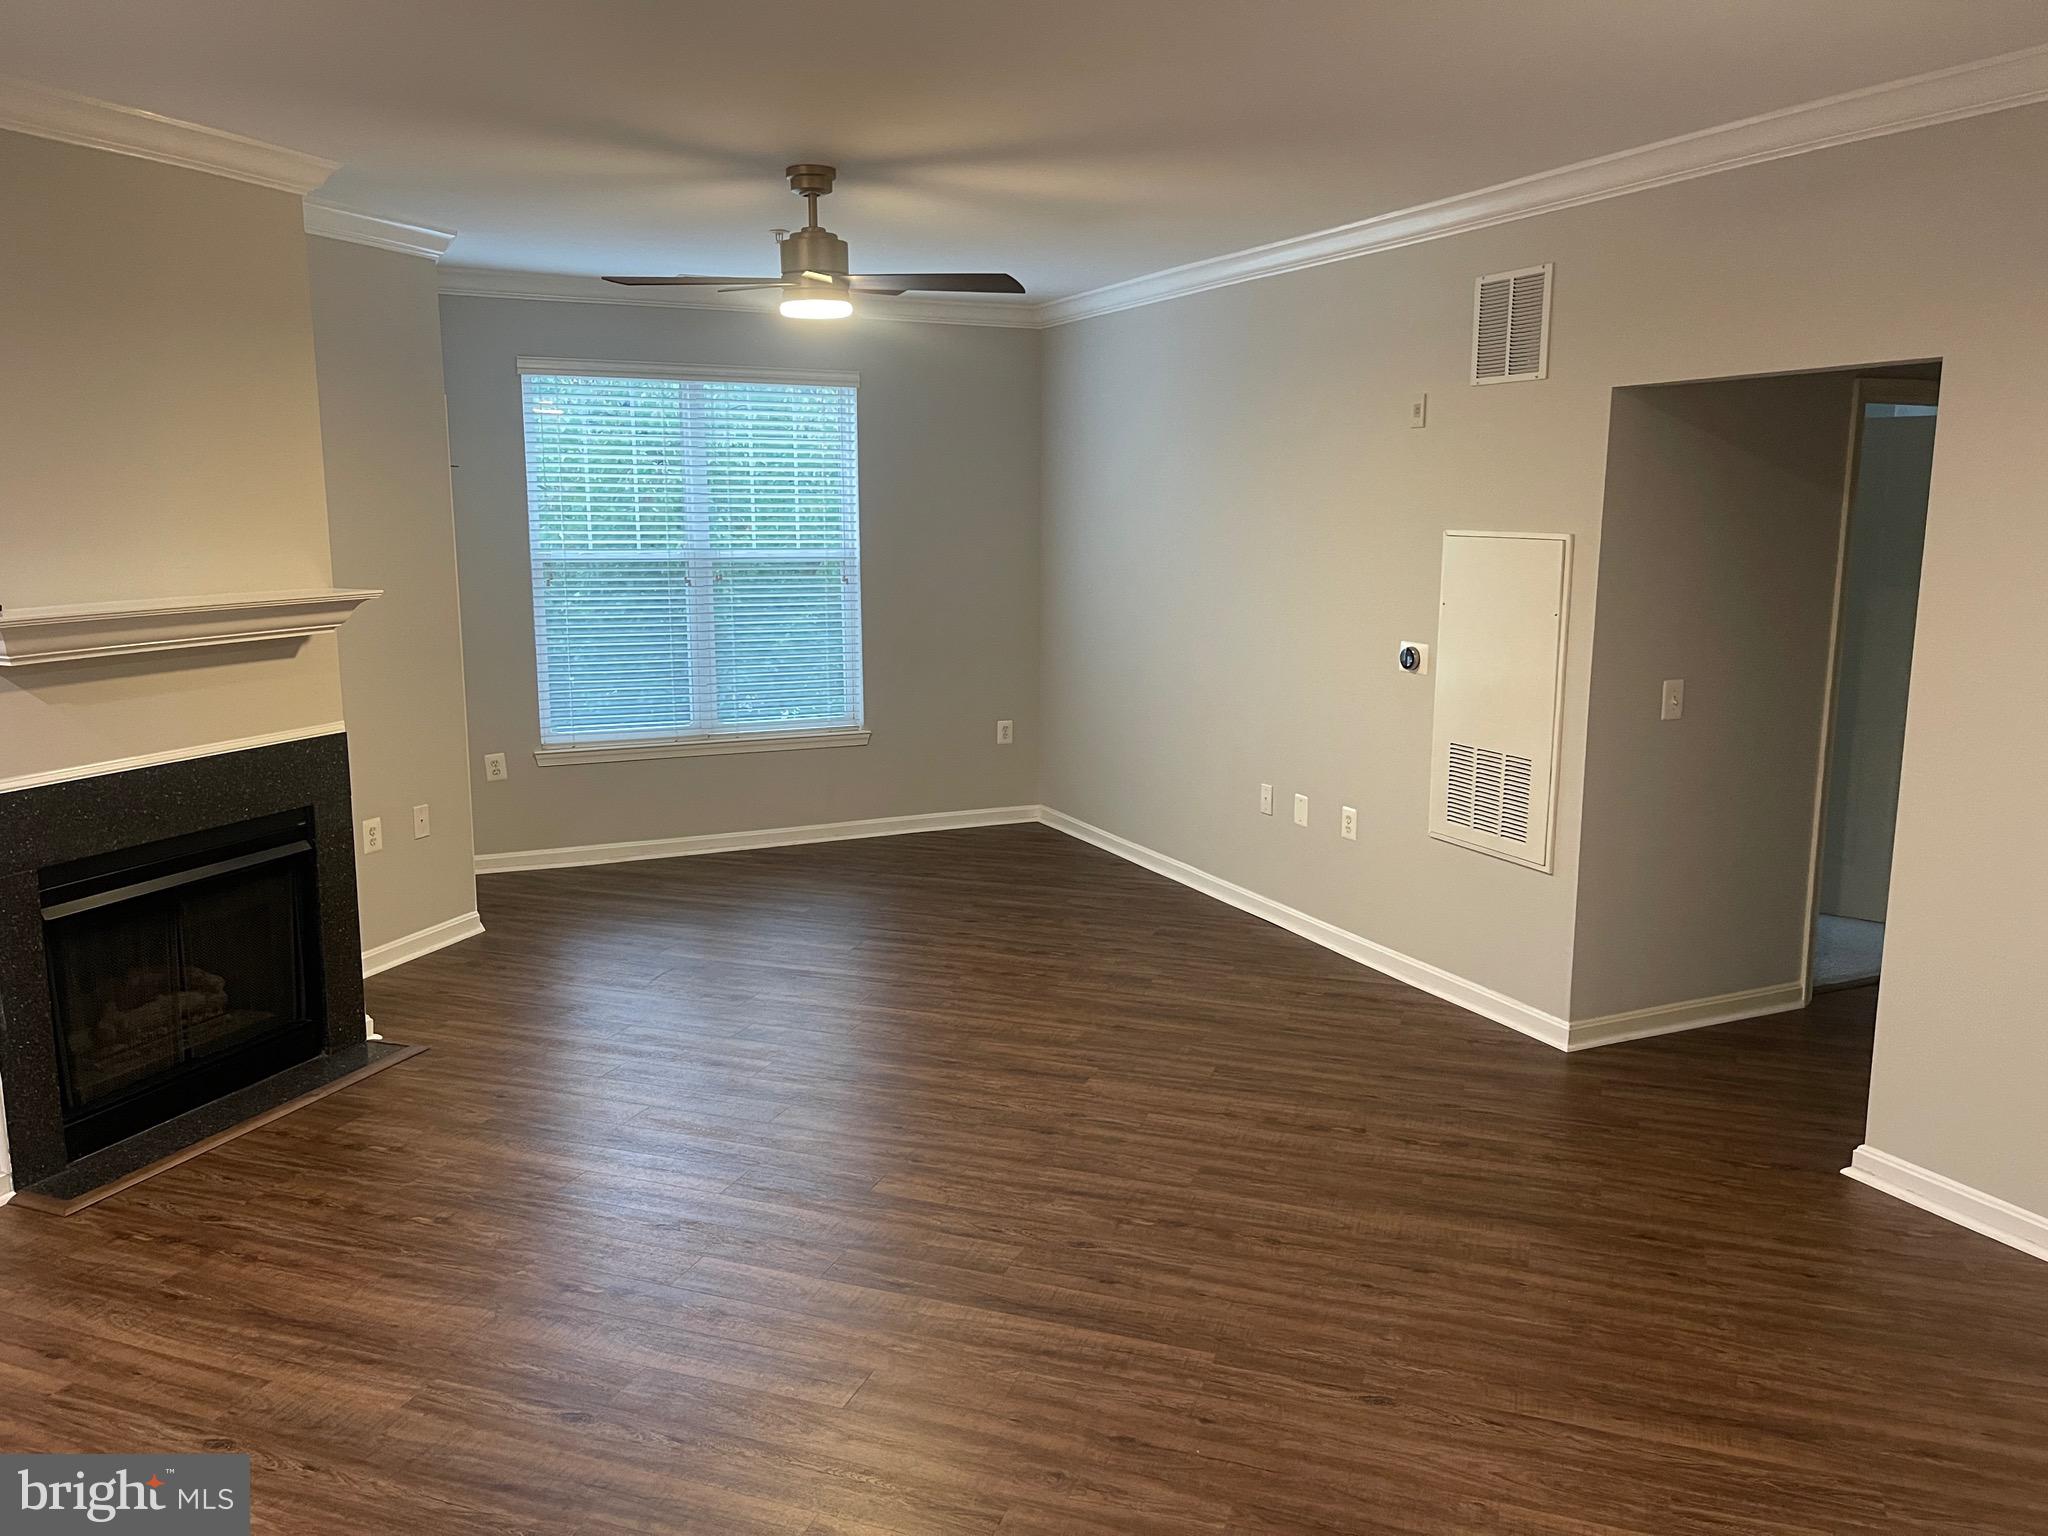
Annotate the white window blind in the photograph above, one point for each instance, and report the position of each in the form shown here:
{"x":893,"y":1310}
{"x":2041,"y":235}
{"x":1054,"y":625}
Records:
{"x":696,"y":555}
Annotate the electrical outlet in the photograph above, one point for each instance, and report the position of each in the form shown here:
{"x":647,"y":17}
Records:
{"x":1006,"y":732}
{"x":421,"y":827}
{"x":1265,"y":799}
{"x":1674,"y":699}
{"x":373,"y":835}
{"x":1418,"y":411}
{"x":1301,"y":810}
{"x":494,"y":766}
{"x":1347,"y":826}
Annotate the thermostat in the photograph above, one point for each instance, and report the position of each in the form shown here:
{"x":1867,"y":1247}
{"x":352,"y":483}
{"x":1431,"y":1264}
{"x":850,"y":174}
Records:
{"x":1412,"y":656}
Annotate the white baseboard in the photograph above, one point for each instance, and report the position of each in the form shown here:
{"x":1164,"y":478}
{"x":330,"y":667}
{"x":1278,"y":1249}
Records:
{"x":1469,"y":995}
{"x":1966,"y":1207}
{"x":1671,"y":1018}
{"x":1577,"y":1035}
{"x":734,"y":842}
{"x":384,"y":956}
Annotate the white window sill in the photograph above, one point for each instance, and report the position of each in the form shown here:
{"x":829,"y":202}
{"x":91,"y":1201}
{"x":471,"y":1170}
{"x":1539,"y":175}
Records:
{"x":704,"y":746}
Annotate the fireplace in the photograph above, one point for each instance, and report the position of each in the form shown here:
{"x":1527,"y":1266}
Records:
{"x":178,"y":945}
{"x":180,"y":971}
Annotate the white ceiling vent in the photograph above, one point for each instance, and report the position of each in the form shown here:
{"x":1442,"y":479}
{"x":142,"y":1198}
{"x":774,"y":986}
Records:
{"x":1498,"y":666}
{"x":1511,"y":326}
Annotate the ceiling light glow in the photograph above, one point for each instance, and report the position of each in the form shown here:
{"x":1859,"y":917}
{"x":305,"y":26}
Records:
{"x":816,"y":308}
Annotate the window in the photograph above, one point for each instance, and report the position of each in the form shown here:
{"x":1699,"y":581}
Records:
{"x":696,"y":559}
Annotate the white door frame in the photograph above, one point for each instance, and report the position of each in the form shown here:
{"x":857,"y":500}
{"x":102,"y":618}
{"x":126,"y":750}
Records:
{"x":1865,"y":392}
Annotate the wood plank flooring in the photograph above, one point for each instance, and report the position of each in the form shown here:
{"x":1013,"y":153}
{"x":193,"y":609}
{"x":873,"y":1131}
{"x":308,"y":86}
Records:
{"x":977,"y":1182}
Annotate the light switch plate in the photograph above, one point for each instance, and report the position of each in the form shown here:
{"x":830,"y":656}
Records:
{"x":1674,"y":699}
{"x":1301,"y":810}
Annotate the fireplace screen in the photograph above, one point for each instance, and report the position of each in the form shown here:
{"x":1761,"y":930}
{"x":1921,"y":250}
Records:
{"x":178,"y":973}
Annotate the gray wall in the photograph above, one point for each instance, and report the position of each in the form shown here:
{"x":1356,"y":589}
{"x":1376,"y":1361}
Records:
{"x":159,"y":437}
{"x":949,"y":552}
{"x":1718,"y":547}
{"x":376,"y":325}
{"x":1239,"y":526}
{"x":1881,"y":589}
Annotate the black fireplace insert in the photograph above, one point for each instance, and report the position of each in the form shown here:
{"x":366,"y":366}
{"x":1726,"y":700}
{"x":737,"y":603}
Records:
{"x":181,"y":970}
{"x":169,"y":947}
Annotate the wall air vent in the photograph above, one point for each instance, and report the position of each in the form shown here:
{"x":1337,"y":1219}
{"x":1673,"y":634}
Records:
{"x":1487,"y":791}
{"x":1499,"y":662}
{"x":1511,"y":326}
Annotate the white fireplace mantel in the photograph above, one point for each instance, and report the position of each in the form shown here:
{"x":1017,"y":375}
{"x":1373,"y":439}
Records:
{"x":87,"y":631}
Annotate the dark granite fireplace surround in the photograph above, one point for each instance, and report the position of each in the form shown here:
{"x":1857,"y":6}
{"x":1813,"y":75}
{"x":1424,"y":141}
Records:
{"x":303,"y":784}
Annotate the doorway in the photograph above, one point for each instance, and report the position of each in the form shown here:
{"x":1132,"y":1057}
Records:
{"x":1884,"y":532}
{"x":1735,"y":637}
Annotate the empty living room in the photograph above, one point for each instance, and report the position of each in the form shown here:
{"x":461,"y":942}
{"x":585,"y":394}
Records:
{"x":1121,"y":769}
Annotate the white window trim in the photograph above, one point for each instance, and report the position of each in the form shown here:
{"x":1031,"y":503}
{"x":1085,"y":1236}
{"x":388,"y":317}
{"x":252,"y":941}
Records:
{"x":601,"y":369}
{"x":701,"y":746}
{"x":564,"y":755}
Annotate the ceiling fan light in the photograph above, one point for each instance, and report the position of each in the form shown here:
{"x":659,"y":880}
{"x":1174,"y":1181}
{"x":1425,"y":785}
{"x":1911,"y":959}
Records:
{"x":816,"y":306}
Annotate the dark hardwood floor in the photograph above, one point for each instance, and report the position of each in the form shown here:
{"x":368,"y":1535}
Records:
{"x":979,"y":1182}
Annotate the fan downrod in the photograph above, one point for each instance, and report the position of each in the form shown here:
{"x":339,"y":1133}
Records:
{"x":812,"y":253}
{"x":811,"y":182}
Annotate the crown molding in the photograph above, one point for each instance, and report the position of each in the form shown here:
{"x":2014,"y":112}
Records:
{"x":1921,"y":101}
{"x":332,"y":223}
{"x":562,"y":288}
{"x":1899,"y":106}
{"x":47,"y":113}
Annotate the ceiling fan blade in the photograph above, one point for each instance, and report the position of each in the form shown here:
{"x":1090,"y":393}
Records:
{"x":691,"y":282}
{"x":750,"y":287}
{"x":878,"y":293}
{"x":938,"y":282}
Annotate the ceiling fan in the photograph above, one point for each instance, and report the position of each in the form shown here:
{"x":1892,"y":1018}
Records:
{"x":815,"y":282}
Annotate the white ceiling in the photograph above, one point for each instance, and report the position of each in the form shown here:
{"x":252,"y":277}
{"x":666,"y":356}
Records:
{"x":1072,"y":142}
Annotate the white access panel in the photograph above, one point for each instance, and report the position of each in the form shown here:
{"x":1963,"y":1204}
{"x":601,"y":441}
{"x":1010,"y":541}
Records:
{"x":1499,"y":685}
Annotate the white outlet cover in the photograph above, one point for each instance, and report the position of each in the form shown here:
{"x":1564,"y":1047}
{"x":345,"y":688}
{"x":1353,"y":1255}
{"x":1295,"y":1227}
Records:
{"x":1348,"y":825}
{"x":1265,"y":799}
{"x":1301,"y":810}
